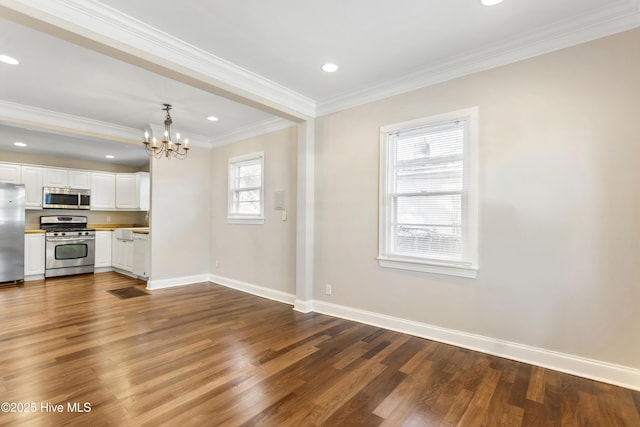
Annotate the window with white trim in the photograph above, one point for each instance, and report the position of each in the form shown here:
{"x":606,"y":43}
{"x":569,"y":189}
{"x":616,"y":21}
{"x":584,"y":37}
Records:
{"x":246,"y":189}
{"x":428,"y":194}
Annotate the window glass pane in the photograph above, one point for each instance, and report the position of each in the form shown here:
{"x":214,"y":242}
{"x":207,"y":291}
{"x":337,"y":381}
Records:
{"x":429,"y":210}
{"x":429,"y":177}
{"x":428,"y":143}
{"x":249,"y":170}
{"x":249,"y":208}
{"x":248,"y":195}
{"x":249,"y":181}
{"x":249,"y":175}
{"x":421,"y":241}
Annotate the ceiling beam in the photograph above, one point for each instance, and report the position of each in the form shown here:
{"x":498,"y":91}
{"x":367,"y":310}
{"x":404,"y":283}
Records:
{"x":38,"y":119}
{"x":95,"y":26}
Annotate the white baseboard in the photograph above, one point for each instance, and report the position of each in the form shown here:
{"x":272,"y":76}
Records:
{"x":257,"y":290}
{"x":588,"y":368}
{"x":177,"y":281}
{"x":34,"y":277}
{"x":303,"y":306}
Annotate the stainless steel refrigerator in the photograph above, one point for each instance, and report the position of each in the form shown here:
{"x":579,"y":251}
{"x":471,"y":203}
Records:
{"x":11,"y":233}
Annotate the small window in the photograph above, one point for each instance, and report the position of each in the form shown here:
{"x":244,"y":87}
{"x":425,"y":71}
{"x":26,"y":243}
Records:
{"x":246,"y":189}
{"x":428,"y":200}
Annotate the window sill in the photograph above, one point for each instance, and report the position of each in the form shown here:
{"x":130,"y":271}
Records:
{"x":244,"y":220}
{"x":469,"y":272}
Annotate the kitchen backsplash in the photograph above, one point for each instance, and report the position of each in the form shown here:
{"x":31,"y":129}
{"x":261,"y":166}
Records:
{"x":32,"y":217}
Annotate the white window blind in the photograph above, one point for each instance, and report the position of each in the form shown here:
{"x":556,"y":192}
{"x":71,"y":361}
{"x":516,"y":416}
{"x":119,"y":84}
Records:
{"x":246,"y":176}
{"x":427,"y":194}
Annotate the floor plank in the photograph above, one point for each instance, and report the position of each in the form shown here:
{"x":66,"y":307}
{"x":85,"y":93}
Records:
{"x":207,"y":355}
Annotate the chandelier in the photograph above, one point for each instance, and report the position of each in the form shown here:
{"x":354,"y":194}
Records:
{"x":167,"y":147}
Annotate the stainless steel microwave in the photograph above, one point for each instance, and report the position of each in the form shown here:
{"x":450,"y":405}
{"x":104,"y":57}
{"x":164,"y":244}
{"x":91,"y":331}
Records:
{"x":65,"y":198}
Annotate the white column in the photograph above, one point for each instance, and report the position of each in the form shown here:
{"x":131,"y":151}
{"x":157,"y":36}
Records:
{"x":305,"y":225}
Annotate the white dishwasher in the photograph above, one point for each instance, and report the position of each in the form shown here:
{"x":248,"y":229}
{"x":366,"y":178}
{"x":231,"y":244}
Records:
{"x":122,"y":249}
{"x":141,"y":255}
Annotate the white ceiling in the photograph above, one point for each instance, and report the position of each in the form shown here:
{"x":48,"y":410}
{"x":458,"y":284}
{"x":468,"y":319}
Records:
{"x":381,"y":47}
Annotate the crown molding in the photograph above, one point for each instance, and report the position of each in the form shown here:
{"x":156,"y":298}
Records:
{"x":106,"y":25}
{"x":255,"y":129}
{"x":39,"y":119}
{"x":623,"y":15}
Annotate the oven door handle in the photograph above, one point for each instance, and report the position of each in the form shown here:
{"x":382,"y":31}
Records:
{"x":70,"y":239}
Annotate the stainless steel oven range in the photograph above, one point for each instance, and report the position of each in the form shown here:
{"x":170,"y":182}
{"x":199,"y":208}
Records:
{"x":70,"y":245}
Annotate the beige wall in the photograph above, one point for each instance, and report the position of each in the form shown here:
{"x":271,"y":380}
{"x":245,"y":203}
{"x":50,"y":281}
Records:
{"x":262,"y":255}
{"x":559,"y":206}
{"x":179,"y":217}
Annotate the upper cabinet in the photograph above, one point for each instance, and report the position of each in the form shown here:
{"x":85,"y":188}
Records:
{"x":10,"y":173}
{"x":31,"y":177}
{"x":109,"y":191}
{"x":55,"y":177}
{"x":103,"y":191}
{"x":79,"y":179}
{"x":132,"y":191}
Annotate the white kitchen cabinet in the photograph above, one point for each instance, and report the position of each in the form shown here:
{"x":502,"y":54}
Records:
{"x":54,"y":177}
{"x":122,"y":250}
{"x":141,"y":255}
{"x":79,"y":179}
{"x":126,"y":197}
{"x":31,"y":177}
{"x":58,"y":177}
{"x":10,"y":173}
{"x":103,"y":249}
{"x":144,"y":190}
{"x":103,"y":191}
{"x":34,"y":252}
{"x":128,"y":256}
{"x":132,"y":191}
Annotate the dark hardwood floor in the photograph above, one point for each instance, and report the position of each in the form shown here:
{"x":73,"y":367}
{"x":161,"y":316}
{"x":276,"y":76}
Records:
{"x":205,"y":355}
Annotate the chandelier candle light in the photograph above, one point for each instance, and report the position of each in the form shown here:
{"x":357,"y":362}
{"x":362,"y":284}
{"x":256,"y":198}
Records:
{"x":167,"y":147}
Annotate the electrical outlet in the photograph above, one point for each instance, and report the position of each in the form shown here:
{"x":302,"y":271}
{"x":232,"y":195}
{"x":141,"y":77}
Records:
{"x":217,"y":263}
{"x":327,"y":289}
{"x":108,"y":219}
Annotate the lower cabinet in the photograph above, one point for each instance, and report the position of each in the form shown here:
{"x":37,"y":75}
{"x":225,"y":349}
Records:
{"x":34,"y":254}
{"x":103,"y":249}
{"x":131,"y":256}
{"x":141,"y":255}
{"x":122,"y":253}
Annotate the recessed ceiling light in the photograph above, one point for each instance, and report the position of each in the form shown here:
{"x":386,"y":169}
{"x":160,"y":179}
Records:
{"x":8,"y":60}
{"x":109,"y":156}
{"x":19,"y":144}
{"x":490,"y":2}
{"x":330,"y":68}
{"x":212,"y":118}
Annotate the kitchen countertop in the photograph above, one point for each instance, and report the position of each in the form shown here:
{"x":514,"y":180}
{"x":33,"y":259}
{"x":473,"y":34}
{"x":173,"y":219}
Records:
{"x":34,"y":231}
{"x":100,"y":227}
{"x":111,"y":227}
